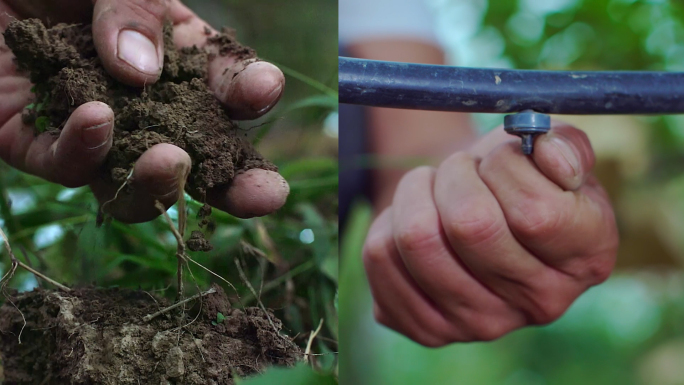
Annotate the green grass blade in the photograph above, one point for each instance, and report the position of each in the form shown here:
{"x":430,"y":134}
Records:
{"x":313,"y":83}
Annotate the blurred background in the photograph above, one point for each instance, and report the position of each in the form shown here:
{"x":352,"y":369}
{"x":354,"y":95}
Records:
{"x":630,"y":330}
{"x":290,"y":257}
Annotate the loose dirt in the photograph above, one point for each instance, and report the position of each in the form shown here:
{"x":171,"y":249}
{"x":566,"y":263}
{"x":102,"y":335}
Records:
{"x":98,"y":336}
{"x":178,"y":109}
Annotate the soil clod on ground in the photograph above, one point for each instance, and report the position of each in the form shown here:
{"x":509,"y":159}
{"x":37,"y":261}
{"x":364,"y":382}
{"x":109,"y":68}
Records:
{"x":98,"y":336}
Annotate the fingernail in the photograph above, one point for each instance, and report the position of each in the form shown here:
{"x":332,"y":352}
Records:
{"x":96,"y":136}
{"x":568,"y":153}
{"x":273,"y":97}
{"x":138,"y":51}
{"x":169,"y":187}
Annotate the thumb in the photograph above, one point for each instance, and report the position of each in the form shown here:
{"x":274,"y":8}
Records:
{"x":128,"y":36}
{"x":564,"y":155}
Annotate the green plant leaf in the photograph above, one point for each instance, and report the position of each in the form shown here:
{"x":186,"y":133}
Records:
{"x":220,"y":318}
{"x":313,"y":83}
{"x":42,"y":123}
{"x":308,"y":166}
{"x":167,"y":266}
{"x":324,"y":101}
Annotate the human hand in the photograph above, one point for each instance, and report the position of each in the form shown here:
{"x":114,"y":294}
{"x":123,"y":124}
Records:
{"x":128,"y":38}
{"x":491,"y":240}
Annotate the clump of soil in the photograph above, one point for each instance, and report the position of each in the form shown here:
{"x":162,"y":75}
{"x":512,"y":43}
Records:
{"x":178,"y":109}
{"x":98,"y":336}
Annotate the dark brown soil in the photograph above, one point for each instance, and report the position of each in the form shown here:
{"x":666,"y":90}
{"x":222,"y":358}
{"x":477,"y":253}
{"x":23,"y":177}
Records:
{"x":98,"y":336}
{"x":178,"y":109}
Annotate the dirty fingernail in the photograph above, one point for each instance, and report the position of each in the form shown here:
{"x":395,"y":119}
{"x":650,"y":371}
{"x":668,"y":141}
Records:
{"x":96,"y":136}
{"x":138,"y":51}
{"x":272,"y":98}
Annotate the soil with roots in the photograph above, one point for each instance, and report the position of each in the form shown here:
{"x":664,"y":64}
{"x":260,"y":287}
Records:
{"x":99,"y":336}
{"x":180,"y":109}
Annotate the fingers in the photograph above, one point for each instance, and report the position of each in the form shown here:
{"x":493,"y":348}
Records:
{"x":556,"y":225}
{"x":82,"y":145}
{"x":73,"y":158}
{"x":249,"y":88}
{"x":492,"y":240}
{"x":564,"y":156}
{"x":129,"y":40}
{"x":438,"y":271}
{"x":478,"y":232}
{"x":15,"y":94}
{"x":156,"y":177}
{"x":253,"y":193}
{"x":399,"y":303}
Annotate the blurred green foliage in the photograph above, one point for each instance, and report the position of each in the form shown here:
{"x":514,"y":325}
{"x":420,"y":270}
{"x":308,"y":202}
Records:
{"x":593,"y":35}
{"x":290,"y":258}
{"x":628,"y":330}
{"x":300,"y":375}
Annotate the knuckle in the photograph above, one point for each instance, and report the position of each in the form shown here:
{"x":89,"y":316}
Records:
{"x":596,"y":260}
{"x":428,"y":331}
{"x":489,"y":330}
{"x":473,"y":226}
{"x":418,"y":335}
{"x":545,"y":311}
{"x":415,"y":174}
{"x":498,"y":157}
{"x":474,"y":325}
{"x":459,"y":157}
{"x":600,"y":267}
{"x":535,"y":217}
{"x":417,"y":237}
{"x":375,"y":252}
{"x":435,"y":335}
{"x":428,"y":341}
{"x":380,"y":316}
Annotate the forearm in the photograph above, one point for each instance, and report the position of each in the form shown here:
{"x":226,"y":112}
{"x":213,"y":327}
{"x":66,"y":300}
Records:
{"x":423,"y":137}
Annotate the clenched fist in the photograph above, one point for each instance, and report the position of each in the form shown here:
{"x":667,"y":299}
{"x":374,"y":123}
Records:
{"x":491,"y":240}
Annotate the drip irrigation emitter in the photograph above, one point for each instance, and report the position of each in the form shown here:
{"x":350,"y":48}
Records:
{"x":528,"y":96}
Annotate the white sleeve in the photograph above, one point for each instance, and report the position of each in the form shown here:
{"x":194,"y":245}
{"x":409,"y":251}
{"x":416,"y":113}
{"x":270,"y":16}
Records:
{"x":361,"y":20}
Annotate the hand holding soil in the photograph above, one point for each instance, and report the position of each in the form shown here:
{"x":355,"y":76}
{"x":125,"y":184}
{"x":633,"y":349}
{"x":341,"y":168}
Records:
{"x":128,"y":105}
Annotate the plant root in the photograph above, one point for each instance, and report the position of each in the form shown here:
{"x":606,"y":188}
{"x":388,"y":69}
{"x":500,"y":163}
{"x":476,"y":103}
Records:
{"x":10,"y":274}
{"x":150,"y":317}
{"x":307,"y":352}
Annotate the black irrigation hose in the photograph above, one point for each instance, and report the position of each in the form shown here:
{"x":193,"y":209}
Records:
{"x":444,"y":88}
